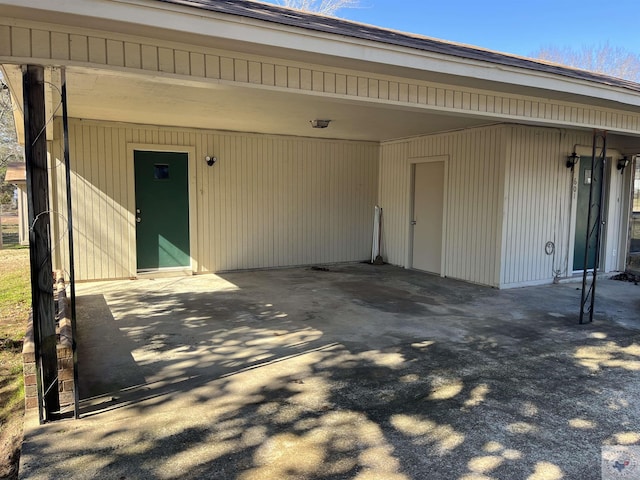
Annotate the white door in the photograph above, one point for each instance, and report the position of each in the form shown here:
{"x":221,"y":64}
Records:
{"x":428,"y":208}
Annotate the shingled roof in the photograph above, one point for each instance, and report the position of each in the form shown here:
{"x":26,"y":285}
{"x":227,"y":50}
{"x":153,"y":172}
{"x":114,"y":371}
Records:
{"x":320,"y":23}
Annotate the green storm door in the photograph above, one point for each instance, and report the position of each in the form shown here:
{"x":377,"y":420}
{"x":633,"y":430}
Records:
{"x":162,"y":210}
{"x":585,"y":177}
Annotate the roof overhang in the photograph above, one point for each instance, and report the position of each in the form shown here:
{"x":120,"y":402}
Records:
{"x":225,"y":26}
{"x":273,"y":33}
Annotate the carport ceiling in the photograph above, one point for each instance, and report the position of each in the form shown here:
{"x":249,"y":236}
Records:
{"x":153,"y":100}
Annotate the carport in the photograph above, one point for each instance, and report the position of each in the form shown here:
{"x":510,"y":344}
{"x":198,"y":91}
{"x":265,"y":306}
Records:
{"x":247,"y":84}
{"x":244,"y":83}
{"x":345,"y":371}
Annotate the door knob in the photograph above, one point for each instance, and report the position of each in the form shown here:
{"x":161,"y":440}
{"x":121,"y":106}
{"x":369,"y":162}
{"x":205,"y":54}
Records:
{"x":413,"y":222}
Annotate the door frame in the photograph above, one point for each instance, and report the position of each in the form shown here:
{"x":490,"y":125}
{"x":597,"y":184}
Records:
{"x":628,"y":190}
{"x":609,"y":235}
{"x":131,"y":203}
{"x":412,"y":161}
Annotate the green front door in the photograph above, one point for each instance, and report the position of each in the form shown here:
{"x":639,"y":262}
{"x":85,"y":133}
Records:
{"x":162,"y":210}
{"x":585,"y":178}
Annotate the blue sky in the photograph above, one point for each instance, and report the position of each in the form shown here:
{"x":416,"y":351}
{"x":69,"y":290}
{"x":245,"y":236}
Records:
{"x":517,"y":26}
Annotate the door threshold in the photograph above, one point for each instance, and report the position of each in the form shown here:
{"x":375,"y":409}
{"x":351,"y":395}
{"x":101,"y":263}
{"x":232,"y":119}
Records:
{"x":165,"y":273}
{"x":576,"y":277}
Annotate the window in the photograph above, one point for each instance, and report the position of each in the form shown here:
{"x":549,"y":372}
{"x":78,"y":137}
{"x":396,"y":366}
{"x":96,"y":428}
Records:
{"x":161,"y":171}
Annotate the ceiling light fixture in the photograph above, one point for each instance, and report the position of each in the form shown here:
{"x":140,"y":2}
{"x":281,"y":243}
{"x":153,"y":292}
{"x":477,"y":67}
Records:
{"x":319,"y":123}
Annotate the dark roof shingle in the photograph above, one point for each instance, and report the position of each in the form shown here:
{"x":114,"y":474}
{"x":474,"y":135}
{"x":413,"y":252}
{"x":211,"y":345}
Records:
{"x":321,"y":23}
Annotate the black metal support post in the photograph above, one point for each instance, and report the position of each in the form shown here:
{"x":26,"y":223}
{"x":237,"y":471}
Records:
{"x":594,"y":228}
{"x":44,"y":324}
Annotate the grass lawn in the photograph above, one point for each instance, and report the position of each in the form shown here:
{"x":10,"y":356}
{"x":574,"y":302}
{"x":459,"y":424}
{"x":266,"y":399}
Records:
{"x":9,"y":232}
{"x":15,"y":304}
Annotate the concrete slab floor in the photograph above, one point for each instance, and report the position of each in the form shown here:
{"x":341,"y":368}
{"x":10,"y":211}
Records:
{"x":367,"y":372}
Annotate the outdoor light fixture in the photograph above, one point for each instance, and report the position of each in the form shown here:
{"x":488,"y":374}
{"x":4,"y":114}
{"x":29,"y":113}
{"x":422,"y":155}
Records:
{"x":210,"y":160}
{"x":623,"y":163}
{"x":320,"y":123}
{"x":572,"y":160}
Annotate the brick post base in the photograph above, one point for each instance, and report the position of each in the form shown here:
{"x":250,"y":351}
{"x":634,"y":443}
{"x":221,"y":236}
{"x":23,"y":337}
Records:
{"x":66,"y":384}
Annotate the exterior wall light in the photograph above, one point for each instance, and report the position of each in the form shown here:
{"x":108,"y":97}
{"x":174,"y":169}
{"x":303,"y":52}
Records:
{"x":210,"y":160}
{"x":572,"y":160}
{"x":319,"y":123}
{"x":623,"y":163}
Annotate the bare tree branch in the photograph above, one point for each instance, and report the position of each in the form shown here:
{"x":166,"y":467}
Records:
{"x":324,"y":7}
{"x":10,"y":150}
{"x":614,"y":61}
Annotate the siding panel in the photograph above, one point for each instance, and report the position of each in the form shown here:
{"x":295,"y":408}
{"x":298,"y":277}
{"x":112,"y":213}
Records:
{"x":41,"y":43}
{"x":473,"y":197}
{"x":508,"y":194}
{"x":95,"y":49}
{"x":269,"y":201}
{"x":5,"y":40}
{"x":537,"y":205}
{"x":20,"y":42}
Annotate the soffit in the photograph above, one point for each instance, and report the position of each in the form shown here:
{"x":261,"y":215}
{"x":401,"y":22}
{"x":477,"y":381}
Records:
{"x":156,"y":101}
{"x":262,"y":29}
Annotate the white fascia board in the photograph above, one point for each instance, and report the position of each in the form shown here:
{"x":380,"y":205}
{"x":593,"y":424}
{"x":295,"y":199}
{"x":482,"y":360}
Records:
{"x":266,"y":34}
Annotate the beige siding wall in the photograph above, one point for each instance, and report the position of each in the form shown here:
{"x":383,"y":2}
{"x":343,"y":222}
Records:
{"x":536,"y":197}
{"x":538,"y":205}
{"x":615,"y":242}
{"x":473,"y":200}
{"x":508,"y":194}
{"x":394,"y":198}
{"x":269,"y":201}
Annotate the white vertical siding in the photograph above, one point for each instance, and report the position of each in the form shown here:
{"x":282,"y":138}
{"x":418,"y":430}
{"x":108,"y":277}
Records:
{"x":474,"y":199}
{"x":277,"y":201}
{"x":616,"y":217}
{"x":102,"y":220}
{"x":394,"y":198}
{"x":509,"y":193}
{"x":534,"y":172}
{"x":58,"y":201}
{"x":269,"y":201}
{"x":23,"y":214}
{"x":538,"y":204}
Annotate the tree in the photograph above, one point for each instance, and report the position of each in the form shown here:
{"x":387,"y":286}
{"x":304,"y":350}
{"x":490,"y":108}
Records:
{"x":607,"y":59}
{"x":324,"y":7}
{"x":10,"y":150}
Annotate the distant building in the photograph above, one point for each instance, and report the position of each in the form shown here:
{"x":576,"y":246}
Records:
{"x":16,"y":175}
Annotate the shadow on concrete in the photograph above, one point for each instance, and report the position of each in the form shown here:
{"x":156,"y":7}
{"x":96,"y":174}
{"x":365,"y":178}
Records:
{"x":299,"y":375}
{"x":104,"y":351}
